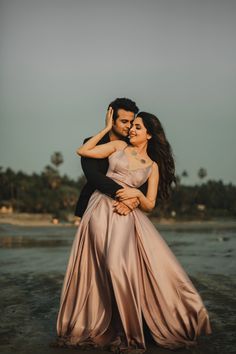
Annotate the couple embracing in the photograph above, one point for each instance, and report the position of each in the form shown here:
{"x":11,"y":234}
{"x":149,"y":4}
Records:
{"x":121,"y":274}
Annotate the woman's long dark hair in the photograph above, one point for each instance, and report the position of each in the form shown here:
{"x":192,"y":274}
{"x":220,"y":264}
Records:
{"x":160,"y":151}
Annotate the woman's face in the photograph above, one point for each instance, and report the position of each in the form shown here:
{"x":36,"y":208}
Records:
{"x":138,"y":133}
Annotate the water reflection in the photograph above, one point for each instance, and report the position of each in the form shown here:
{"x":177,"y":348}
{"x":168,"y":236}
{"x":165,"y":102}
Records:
{"x":22,"y":241}
{"x":33,"y":263}
{"x":47,"y":248}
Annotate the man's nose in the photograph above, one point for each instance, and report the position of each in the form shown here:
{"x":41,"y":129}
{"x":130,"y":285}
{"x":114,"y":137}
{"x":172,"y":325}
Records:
{"x":129,"y":125}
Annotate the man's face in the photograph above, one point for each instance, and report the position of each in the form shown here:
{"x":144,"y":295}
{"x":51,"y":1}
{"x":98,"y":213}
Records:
{"x":123,"y":123}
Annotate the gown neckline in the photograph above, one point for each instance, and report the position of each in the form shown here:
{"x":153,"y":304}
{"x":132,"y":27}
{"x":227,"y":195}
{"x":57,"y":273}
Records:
{"x":136,"y":169}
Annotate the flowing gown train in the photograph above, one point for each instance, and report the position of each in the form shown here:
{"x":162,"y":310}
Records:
{"x":121,"y":271}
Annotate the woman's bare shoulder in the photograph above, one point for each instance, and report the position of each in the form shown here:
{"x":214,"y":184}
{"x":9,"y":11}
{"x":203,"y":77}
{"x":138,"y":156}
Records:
{"x":155,"y":168}
{"x":119,"y":144}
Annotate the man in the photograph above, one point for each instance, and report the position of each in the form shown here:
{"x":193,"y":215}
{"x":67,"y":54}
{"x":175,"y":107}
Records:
{"x":95,"y":169}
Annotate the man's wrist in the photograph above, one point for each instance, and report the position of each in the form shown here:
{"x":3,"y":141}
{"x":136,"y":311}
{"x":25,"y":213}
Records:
{"x":139,"y":194}
{"x":131,"y":205}
{"x":127,"y":205}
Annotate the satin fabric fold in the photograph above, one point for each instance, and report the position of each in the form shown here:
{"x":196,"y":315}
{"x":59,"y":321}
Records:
{"x":121,"y":270}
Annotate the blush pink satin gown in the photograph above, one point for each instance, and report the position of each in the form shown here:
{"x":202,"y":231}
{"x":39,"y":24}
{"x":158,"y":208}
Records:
{"x":121,"y":271}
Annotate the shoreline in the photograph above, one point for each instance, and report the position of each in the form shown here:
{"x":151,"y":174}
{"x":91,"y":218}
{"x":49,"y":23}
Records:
{"x":46,"y":220}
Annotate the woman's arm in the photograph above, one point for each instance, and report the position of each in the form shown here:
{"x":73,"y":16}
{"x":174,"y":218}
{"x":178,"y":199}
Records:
{"x":89,"y":149}
{"x":100,"y":151}
{"x":147,"y":203}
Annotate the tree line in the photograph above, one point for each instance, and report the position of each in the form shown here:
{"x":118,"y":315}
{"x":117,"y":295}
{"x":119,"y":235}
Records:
{"x":51,"y":192}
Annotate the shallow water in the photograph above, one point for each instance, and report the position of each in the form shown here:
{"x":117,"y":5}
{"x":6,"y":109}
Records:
{"x":33,"y":261}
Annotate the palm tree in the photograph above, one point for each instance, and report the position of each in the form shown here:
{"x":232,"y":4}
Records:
{"x":202,"y":173}
{"x":52,"y":177}
{"x":184,"y":173}
{"x":57,"y":159}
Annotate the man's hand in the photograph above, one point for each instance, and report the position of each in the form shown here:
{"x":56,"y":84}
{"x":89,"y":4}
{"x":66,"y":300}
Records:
{"x":109,"y":118}
{"x":121,"y":208}
{"x":131,"y":203}
{"x":126,"y":206}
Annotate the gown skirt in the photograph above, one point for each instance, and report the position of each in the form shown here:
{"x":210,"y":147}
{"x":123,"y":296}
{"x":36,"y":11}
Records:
{"x":121,"y":272}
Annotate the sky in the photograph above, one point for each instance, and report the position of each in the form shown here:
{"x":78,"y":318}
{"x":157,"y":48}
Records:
{"x":63,"y":62}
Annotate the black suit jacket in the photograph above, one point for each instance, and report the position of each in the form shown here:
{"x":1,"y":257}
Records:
{"x":95,"y":172}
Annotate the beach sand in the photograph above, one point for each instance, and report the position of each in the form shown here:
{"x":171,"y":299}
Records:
{"x":29,"y":305}
{"x":28,"y":219}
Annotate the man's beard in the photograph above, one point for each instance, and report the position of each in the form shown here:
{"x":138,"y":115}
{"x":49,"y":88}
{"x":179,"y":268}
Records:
{"x":119,"y":135}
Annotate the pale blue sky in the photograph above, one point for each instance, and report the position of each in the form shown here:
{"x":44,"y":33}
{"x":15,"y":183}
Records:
{"x":62,"y":62}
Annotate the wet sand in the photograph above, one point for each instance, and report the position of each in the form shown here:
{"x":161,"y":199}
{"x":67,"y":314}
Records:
{"x":45,"y":220}
{"x":33,"y":262}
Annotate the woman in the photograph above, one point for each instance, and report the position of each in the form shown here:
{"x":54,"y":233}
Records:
{"x":121,"y":271}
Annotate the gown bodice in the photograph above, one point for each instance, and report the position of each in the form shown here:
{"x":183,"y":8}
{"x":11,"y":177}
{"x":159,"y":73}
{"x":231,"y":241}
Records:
{"x":120,"y":172}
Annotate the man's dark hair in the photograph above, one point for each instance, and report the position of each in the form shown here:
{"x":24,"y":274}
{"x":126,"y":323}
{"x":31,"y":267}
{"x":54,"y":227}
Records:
{"x":123,"y":103}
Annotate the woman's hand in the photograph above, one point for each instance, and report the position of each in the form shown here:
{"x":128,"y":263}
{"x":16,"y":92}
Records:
{"x":127,"y":192}
{"x":109,"y":118}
